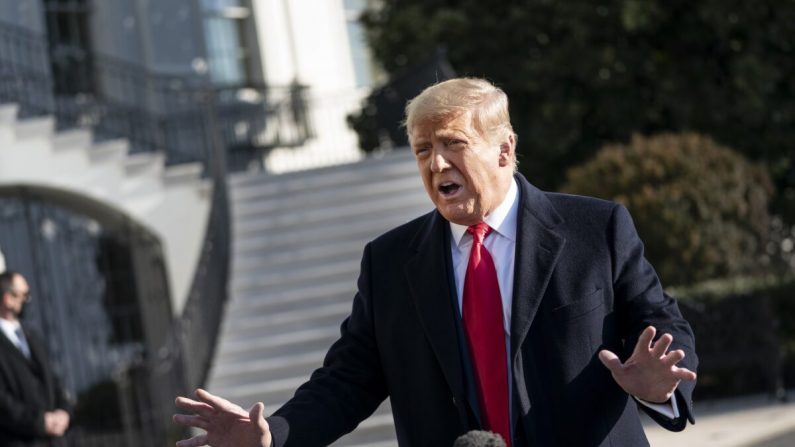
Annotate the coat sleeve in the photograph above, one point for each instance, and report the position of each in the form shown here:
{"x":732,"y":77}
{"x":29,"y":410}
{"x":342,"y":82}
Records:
{"x":641,"y":302}
{"x":18,"y":416}
{"x":345,"y":390}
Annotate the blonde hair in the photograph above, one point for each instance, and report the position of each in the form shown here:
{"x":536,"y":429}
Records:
{"x":488,"y":104}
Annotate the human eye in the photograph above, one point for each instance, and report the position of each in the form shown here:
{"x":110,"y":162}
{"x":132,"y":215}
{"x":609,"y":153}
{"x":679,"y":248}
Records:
{"x":454,"y":142}
{"x":422,"y":151}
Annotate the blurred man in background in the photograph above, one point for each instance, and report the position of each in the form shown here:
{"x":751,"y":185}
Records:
{"x":33,"y":407}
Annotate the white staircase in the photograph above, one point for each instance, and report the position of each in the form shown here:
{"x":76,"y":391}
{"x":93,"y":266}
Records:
{"x":172,"y":202}
{"x":297,"y":244}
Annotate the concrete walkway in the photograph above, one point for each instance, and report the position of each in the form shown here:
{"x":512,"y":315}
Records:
{"x":754,"y":421}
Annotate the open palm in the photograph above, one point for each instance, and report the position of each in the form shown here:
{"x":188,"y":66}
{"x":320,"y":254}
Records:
{"x":650,"y":373}
{"x":226,"y":424}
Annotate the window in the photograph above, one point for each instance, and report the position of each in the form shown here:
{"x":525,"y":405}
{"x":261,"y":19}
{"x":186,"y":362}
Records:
{"x":360,"y":52}
{"x":70,"y":52}
{"x":224,"y":27}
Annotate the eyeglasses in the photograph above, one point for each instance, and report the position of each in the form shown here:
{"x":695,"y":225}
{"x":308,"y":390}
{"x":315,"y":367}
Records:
{"x":26,"y":295}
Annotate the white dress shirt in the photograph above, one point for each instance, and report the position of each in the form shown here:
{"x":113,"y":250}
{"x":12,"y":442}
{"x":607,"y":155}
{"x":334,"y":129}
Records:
{"x":501,"y":244}
{"x":13,"y":331}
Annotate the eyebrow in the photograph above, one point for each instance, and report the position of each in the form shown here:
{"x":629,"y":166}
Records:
{"x":419,"y":142}
{"x":439,"y":133}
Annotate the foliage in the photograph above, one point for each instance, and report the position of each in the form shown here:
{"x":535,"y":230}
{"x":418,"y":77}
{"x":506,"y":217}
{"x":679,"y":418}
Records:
{"x":581,"y":73}
{"x":700,"y":208}
{"x":745,"y":334}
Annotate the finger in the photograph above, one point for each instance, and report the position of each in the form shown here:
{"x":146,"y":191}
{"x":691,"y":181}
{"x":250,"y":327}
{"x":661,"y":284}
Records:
{"x":191,"y":421}
{"x":644,"y":341}
{"x":610,"y":360}
{"x":257,"y":416}
{"x":673,"y":357}
{"x":684,"y":374}
{"x":256,"y":412}
{"x":196,"y":441}
{"x":661,"y":345}
{"x":193,"y":406}
{"x":219,"y":402}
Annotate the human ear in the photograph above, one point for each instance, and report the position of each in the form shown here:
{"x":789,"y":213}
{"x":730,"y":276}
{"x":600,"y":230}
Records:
{"x":507,"y":147}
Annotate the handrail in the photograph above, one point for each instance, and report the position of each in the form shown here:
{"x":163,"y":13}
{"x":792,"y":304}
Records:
{"x":153,"y":111}
{"x":186,"y":118}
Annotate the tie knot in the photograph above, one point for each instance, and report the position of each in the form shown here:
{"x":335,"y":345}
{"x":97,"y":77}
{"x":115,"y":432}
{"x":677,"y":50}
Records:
{"x":479,"y":231}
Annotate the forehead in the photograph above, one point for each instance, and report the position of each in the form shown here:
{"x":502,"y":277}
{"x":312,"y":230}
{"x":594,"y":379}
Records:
{"x":19,"y":283}
{"x":458,"y":123}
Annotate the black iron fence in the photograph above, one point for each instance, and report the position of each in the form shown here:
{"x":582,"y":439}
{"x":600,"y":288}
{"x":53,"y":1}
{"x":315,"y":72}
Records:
{"x":24,"y":71}
{"x":189,"y":120}
{"x":153,"y":111}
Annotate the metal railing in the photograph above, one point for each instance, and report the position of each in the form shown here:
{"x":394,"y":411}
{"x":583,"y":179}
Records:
{"x":189,"y":120}
{"x":198,"y":327}
{"x":25,"y":77}
{"x":153,"y":111}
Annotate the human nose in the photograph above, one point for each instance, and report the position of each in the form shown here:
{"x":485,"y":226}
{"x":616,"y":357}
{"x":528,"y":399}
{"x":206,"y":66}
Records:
{"x":438,"y":162}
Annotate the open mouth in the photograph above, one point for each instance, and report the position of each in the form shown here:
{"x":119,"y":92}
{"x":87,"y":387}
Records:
{"x":448,"y":189}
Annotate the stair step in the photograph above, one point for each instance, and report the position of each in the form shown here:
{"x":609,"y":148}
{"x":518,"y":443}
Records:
{"x":281,"y":273}
{"x":306,"y":296}
{"x":287,"y":238}
{"x":266,"y":392}
{"x":145,"y":162}
{"x":321,"y":216}
{"x":39,"y":127}
{"x":109,"y":151}
{"x":286,"y":279}
{"x":252,"y":370}
{"x":72,"y":139}
{"x":183,"y":173}
{"x":8,"y":113}
{"x":382,"y":190}
{"x":297,"y":245}
{"x":264,"y":186}
{"x":324,"y":251}
{"x":287,"y":343}
{"x":251,"y":328}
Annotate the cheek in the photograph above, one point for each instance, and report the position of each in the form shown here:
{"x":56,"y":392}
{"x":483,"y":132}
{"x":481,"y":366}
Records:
{"x":426,"y":179}
{"x":428,"y":184}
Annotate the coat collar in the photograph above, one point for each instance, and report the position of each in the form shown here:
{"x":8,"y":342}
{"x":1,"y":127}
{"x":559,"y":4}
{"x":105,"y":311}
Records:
{"x":538,"y":247}
{"x":35,"y":353}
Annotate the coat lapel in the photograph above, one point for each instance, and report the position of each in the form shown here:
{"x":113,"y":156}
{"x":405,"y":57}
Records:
{"x":427,"y":275}
{"x":38,"y":357}
{"x":538,"y":247}
{"x":10,"y":348}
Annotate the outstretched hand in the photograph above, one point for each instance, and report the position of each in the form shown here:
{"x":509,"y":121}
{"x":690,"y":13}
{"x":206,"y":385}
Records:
{"x":226,"y":424}
{"x":650,"y":373}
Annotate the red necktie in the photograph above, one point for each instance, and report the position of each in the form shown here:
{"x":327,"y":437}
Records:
{"x":482,"y":317}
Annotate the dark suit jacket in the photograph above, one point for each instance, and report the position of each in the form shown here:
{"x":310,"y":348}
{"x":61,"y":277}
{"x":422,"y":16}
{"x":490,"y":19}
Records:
{"x":581,"y":285}
{"x":28,"y":388}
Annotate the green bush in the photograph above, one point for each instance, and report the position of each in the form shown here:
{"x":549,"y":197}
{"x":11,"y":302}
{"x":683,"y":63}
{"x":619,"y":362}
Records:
{"x":745,"y":334}
{"x":580,"y":73}
{"x":700,"y":208}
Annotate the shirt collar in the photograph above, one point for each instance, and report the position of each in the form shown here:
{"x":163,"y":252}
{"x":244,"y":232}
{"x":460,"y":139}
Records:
{"x":9,"y":327}
{"x":502,"y":219}
{"x":10,"y":324}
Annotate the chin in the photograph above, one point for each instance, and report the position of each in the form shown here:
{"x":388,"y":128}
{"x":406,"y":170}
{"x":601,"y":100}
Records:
{"x":460,"y":217}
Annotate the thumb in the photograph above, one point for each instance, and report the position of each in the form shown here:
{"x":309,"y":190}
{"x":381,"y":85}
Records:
{"x":257,"y":417}
{"x":255,"y":414}
{"x":610,"y":360}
